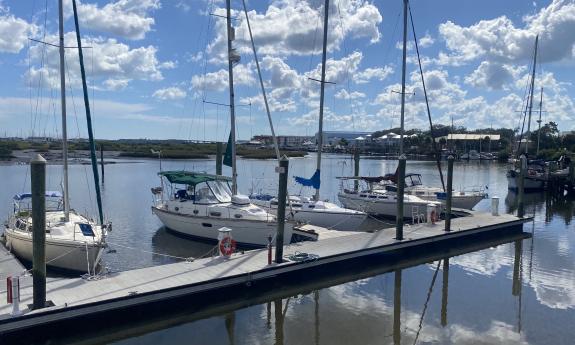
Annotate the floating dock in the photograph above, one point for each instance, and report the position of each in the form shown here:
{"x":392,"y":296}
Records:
{"x":77,"y":299}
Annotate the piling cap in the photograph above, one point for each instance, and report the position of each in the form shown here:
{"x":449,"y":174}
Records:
{"x":38,"y":159}
{"x":451,"y":157}
{"x":403,"y":157}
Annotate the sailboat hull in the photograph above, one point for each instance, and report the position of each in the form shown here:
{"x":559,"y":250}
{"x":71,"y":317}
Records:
{"x":245,"y":232}
{"x":60,"y":254}
{"x":386,"y":208}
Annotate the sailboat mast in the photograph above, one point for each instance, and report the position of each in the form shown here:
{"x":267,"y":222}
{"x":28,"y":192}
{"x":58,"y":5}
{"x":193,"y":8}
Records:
{"x":403,"y":68}
{"x":531,"y":94}
{"x":322,"y":91}
{"x":539,"y":121}
{"x":88,"y":117}
{"x":232,"y":107}
{"x":63,"y":104}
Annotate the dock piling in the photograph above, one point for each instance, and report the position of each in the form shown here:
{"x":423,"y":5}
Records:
{"x":38,"y":184}
{"x":495,"y":206}
{"x":281,"y":213}
{"x":449,"y":191}
{"x":219,"y":157}
{"x":356,"y":169}
{"x":400,"y":192}
{"x":521,"y":186}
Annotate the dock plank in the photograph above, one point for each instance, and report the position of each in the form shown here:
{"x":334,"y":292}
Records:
{"x":217,"y":271}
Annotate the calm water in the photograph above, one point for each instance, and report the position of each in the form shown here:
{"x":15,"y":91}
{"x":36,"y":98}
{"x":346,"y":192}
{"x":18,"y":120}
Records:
{"x":516,"y":293}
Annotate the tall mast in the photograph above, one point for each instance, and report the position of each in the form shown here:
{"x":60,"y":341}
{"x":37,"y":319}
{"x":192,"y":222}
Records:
{"x":88,"y":117}
{"x":231,"y":86}
{"x":539,"y":121}
{"x":403,"y":68}
{"x":531,"y":94}
{"x":322,"y":92}
{"x":63,"y":103}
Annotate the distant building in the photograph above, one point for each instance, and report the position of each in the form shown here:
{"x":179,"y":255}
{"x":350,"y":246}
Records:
{"x":283,"y":140}
{"x":333,"y":138}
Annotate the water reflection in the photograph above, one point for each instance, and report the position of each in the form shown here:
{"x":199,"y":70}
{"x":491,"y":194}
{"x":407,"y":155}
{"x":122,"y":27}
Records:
{"x":546,"y":203}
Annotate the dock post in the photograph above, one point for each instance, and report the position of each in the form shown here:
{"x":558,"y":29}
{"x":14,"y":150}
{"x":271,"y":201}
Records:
{"x":444,"y":292}
{"x":356,"y":169}
{"x":516,"y":287}
{"x":449,"y":191}
{"x":38,"y":184}
{"x":219,"y":157}
{"x":281,"y":210}
{"x":495,"y":206}
{"x":400,"y":190}
{"x":102,"y":161}
{"x":397,"y":308}
{"x":521,"y":185}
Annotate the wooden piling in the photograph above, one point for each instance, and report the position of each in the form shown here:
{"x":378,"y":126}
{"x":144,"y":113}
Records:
{"x":281,"y":210}
{"x":444,"y":292}
{"x":219,"y":157}
{"x":516,"y":286}
{"x":38,"y":186}
{"x":449,"y":191}
{"x":400,"y":192}
{"x":356,"y":169}
{"x":521,"y":186}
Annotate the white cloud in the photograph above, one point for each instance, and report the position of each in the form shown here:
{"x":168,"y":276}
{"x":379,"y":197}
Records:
{"x":14,"y":32}
{"x":293,"y":27}
{"x":379,"y":73}
{"x":218,"y":80}
{"x":500,"y":40}
{"x":126,"y":18}
{"x":343,"y":94}
{"x":114,"y":62}
{"x":170,"y":93}
{"x":492,"y":75}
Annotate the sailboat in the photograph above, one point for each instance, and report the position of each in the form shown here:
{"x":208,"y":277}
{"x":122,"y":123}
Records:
{"x":198,"y":204}
{"x":535,"y":175}
{"x":315,"y":211}
{"x":73,"y":241}
{"x":375,"y":200}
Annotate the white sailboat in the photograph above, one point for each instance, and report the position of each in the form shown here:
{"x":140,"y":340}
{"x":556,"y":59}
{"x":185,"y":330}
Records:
{"x":199,"y":204}
{"x":535,"y":175}
{"x":315,"y":211}
{"x":73,"y":241}
{"x":379,"y":201}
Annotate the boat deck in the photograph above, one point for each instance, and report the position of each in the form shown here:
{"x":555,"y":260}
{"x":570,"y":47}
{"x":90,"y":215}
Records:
{"x":119,"y":290}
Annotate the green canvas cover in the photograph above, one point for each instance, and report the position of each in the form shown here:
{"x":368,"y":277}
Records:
{"x":191,"y":178}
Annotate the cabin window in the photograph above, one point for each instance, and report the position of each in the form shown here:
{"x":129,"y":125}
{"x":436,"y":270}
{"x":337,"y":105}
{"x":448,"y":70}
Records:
{"x":382,"y":197}
{"x":363,"y":195}
{"x":273,"y":203}
{"x":215,"y":214}
{"x":311,"y":206}
{"x":195,"y":211}
{"x":177,"y":209}
{"x":373,"y":196}
{"x":238,"y":216}
{"x":296,"y":205}
{"x":207,"y":225}
{"x":419,"y":193}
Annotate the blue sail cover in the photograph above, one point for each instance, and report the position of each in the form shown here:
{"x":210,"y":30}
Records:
{"x":49,"y":194}
{"x":314,"y":181}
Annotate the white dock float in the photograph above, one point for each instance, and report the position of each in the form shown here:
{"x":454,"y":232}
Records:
{"x":78,"y":297}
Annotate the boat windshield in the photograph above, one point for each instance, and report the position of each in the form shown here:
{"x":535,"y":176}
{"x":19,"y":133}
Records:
{"x":413,"y":180}
{"x":221,"y":190}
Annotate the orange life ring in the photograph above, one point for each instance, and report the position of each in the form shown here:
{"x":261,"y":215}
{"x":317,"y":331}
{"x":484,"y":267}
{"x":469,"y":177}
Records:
{"x":227,"y":246}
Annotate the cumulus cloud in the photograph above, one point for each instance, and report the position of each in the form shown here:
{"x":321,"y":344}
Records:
{"x":344,"y":94}
{"x":218,"y":80}
{"x":293,"y":27}
{"x":169,"y":93}
{"x":126,"y":18}
{"x":109,"y":60}
{"x":500,"y":40}
{"x":379,"y":73}
{"x":14,"y":32}
{"x":492,"y":75}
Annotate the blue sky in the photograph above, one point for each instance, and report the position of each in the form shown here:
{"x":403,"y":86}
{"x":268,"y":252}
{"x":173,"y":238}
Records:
{"x":152,"y":62}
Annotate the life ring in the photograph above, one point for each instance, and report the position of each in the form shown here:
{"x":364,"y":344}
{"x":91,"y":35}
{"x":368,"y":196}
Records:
{"x":227,"y":246}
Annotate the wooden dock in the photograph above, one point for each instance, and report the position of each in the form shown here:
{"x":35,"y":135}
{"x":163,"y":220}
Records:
{"x":9,"y":266}
{"x":79,"y":298}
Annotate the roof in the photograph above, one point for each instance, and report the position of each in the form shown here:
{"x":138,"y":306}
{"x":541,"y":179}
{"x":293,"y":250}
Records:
{"x":191,"y":178}
{"x":48,"y":194}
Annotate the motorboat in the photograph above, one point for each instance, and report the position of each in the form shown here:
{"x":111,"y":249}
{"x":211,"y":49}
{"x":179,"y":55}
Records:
{"x":199,"y":204}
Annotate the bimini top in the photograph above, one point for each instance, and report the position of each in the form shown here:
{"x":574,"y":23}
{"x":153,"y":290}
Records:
{"x":191,"y":178}
{"x":49,"y":194}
